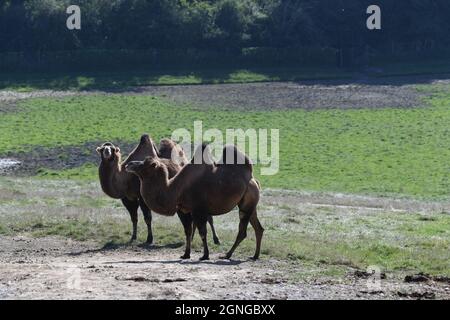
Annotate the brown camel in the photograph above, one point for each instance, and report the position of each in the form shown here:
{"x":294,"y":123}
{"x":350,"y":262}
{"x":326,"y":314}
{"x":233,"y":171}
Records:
{"x":204,"y":189}
{"x":174,"y":158}
{"x":119,"y":184}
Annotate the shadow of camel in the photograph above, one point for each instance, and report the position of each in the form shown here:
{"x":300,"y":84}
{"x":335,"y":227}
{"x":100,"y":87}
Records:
{"x":181,"y":261}
{"x":111,"y":246}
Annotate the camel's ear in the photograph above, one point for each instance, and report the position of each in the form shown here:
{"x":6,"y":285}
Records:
{"x":99,"y":150}
{"x":117,"y":149}
{"x":149,"y":161}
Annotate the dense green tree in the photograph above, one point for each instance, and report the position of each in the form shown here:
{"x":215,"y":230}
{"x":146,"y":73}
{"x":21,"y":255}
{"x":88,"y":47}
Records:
{"x":416,"y":27}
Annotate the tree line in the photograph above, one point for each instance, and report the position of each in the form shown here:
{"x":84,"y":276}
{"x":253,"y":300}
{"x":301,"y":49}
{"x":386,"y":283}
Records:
{"x":416,"y":27}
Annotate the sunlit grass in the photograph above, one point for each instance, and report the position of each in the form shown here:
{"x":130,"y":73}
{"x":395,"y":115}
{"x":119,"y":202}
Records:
{"x":321,"y":239}
{"x":389,"y":151}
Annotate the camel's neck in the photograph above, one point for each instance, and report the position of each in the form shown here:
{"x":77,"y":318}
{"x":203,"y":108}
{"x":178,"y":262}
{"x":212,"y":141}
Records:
{"x":113,"y":180}
{"x":159,"y":195}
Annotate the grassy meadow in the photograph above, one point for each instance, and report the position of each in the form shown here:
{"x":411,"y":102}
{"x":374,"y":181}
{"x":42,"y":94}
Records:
{"x":389,"y":151}
{"x":316,"y":240}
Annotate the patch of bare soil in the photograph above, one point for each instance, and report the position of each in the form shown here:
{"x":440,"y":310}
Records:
{"x":363,"y":92}
{"x":291,"y":95}
{"x":56,"y":158}
{"x":12,"y":96}
{"x":53,"y":268}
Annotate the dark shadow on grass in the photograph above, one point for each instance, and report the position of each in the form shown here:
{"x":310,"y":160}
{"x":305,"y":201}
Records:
{"x":112,"y":246}
{"x":115,"y":82}
{"x":126,"y":81}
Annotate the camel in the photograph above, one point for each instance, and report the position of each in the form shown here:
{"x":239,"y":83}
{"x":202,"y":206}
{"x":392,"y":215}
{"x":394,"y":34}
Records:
{"x":204,"y":189}
{"x":174,"y":158}
{"x":119,"y":184}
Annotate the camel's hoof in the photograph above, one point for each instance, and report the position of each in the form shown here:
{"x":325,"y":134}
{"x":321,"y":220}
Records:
{"x":185,"y":256}
{"x":149,"y":241}
{"x":216,"y":240}
{"x":225,"y":257}
{"x":204,"y":258}
{"x":254,"y":258}
{"x":132,"y":240}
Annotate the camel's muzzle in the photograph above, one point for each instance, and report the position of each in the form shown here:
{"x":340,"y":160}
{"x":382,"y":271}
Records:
{"x":107,"y":153}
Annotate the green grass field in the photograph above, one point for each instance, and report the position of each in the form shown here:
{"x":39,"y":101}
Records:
{"x":389,"y":151}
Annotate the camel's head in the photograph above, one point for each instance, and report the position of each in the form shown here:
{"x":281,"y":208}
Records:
{"x":145,"y":148}
{"x":109,"y":152}
{"x":150,"y":168}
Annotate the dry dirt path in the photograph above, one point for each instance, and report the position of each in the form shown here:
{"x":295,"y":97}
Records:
{"x":54,"y":268}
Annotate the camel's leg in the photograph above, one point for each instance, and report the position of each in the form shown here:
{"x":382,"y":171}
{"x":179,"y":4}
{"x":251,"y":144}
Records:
{"x":132,"y":207}
{"x":247,"y":209}
{"x":244,"y":218}
{"x":148,"y":220}
{"x":193,"y":229}
{"x":211,"y":223}
{"x":200,"y":218}
{"x":186,"y":220}
{"x":259,"y":230}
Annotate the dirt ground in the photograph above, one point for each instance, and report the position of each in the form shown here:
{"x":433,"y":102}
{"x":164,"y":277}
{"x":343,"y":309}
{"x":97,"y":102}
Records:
{"x":26,"y":163}
{"x":59,"y":268}
{"x":317,"y":94}
{"x":54,"y":268}
{"x":293,"y":95}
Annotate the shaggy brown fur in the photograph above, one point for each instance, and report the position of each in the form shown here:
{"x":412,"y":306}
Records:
{"x":174,"y":158}
{"x":119,"y":184}
{"x":204,"y":189}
